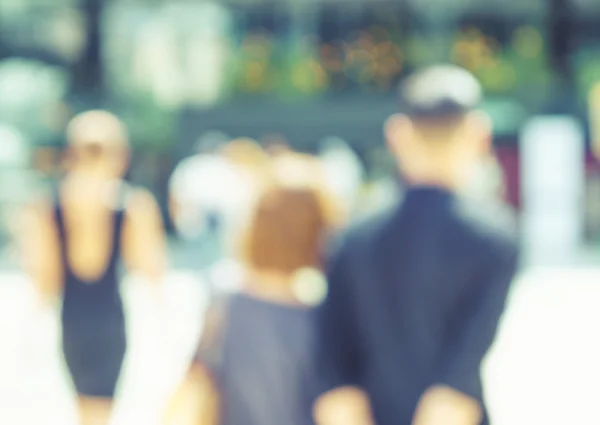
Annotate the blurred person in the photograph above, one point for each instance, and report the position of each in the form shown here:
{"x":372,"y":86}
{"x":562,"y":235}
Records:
{"x":17,"y":182}
{"x":378,"y":195}
{"x":416,"y":294}
{"x":487,"y":188}
{"x":211,"y":193}
{"x":384,"y":186}
{"x":46,"y":163}
{"x":212,"y":141}
{"x":249,"y":156}
{"x":193,"y":198}
{"x":73,"y":249}
{"x":192,"y":193}
{"x":254,"y":364}
{"x":487,"y":181}
{"x":344,"y":171}
{"x":254,"y":166}
{"x":275,"y":144}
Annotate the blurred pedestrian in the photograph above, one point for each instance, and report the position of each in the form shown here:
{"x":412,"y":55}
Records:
{"x":17,"y":182}
{"x":195,"y":198}
{"x":75,"y":243}
{"x":254,"y":365}
{"x":275,"y":144}
{"x":211,"y":193}
{"x":487,"y":183}
{"x":343,"y":170}
{"x":416,"y":294}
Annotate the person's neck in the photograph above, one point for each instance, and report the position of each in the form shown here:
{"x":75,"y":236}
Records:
{"x":90,"y":175}
{"x":272,"y":286}
{"x":90,"y":186}
{"x":435,"y":177}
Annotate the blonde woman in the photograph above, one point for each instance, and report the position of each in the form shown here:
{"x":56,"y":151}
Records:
{"x":73,"y":248}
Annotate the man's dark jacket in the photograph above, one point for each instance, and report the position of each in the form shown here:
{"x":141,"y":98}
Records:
{"x":415,"y":297}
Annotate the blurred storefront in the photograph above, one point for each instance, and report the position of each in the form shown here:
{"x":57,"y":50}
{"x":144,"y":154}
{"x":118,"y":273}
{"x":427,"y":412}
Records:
{"x":158,"y":59}
{"x":302,"y":69}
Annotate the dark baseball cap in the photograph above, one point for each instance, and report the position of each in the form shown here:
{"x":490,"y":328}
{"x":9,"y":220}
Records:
{"x":439,"y":91}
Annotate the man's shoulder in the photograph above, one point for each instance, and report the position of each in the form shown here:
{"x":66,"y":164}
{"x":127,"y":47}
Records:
{"x":494,"y":225}
{"x":363,"y":232}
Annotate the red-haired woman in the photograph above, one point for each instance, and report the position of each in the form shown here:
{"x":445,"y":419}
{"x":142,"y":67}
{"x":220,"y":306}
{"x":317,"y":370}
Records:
{"x":254,"y":366}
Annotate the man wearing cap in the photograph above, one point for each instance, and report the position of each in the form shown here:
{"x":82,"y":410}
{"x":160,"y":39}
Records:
{"x":416,"y":294}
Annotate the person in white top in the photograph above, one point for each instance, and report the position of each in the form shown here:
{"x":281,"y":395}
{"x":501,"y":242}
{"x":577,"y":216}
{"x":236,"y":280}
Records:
{"x":344,"y":171}
{"x":211,"y":193}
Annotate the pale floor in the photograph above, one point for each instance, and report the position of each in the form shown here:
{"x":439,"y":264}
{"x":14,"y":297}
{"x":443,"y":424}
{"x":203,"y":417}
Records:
{"x":544,"y":368}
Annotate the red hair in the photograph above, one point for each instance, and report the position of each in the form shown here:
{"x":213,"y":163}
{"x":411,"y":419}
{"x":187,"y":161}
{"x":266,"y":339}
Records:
{"x":291,"y":219}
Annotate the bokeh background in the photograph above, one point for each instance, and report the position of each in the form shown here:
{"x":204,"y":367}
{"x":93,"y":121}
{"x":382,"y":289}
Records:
{"x":303,"y":71}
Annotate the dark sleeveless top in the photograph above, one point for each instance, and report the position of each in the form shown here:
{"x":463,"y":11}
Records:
{"x":261,"y":360}
{"x":93,"y":302}
{"x":94,"y":339}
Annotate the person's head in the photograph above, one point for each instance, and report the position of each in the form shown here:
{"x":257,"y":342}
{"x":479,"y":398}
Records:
{"x":98,"y":144}
{"x":249,"y":156}
{"x":275,"y":144}
{"x":245,"y":151}
{"x":440,"y":135}
{"x":334,"y":144}
{"x":290,"y":220}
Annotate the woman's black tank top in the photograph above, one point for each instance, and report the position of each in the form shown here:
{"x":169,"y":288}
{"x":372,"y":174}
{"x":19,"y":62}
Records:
{"x":94,"y":303}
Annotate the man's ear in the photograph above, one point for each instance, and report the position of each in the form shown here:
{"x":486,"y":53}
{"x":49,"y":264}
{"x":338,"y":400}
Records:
{"x":397,"y":129}
{"x":480,"y":127}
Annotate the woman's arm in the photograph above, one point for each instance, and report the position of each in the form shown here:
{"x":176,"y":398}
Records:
{"x":196,"y":402}
{"x":144,"y":241}
{"x":39,"y":249}
{"x":445,"y":405}
{"x":343,"y":406}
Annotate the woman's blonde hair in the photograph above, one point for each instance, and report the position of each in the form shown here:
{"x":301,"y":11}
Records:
{"x":246,"y":152}
{"x":291,"y":219}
